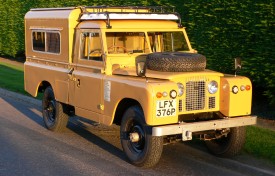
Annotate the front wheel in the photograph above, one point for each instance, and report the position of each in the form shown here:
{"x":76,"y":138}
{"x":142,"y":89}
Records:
{"x":229,"y":145}
{"x":141,"y":148}
{"x":54,"y":115}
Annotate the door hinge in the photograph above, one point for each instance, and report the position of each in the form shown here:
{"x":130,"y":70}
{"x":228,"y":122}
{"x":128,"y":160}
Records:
{"x":71,"y":77}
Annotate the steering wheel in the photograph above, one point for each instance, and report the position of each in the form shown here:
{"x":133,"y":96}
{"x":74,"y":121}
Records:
{"x":95,"y":51}
{"x":116,"y":49}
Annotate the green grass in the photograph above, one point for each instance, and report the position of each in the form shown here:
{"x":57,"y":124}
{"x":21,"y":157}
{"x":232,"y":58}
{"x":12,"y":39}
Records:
{"x":12,"y":77}
{"x":260,"y":142}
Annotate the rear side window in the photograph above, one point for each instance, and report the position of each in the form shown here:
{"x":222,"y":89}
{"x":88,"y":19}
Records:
{"x":46,"y":41}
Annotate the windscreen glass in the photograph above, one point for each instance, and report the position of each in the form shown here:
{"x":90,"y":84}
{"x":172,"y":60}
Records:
{"x":167,"y":41}
{"x":126,"y":42}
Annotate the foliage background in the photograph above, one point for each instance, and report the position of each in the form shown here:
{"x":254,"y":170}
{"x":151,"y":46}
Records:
{"x":219,"y":29}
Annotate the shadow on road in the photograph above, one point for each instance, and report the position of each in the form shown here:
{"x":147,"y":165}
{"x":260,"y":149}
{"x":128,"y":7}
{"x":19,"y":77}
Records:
{"x":27,"y":110}
{"x":77,"y":126}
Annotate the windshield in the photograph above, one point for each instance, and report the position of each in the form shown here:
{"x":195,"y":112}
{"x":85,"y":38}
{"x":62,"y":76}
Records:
{"x":167,"y":41}
{"x":135,"y":42}
{"x":126,"y":42}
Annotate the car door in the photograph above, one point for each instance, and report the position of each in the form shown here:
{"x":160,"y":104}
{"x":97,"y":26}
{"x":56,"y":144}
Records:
{"x":87,"y":74}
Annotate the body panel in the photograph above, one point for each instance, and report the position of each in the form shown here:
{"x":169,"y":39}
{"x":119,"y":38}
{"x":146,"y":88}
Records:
{"x":95,"y":88}
{"x":235,"y":104}
{"x":134,"y":67}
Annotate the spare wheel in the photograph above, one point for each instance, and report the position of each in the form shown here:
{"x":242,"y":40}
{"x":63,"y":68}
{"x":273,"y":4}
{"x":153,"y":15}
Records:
{"x":176,"y":62}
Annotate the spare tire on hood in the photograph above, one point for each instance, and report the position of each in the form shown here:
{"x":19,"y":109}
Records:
{"x":175,"y":62}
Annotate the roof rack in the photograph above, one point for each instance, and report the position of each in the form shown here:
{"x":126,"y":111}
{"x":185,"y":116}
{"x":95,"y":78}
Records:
{"x":128,"y":12}
{"x":155,"y":9}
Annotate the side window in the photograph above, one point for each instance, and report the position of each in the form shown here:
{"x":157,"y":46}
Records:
{"x":38,"y":41}
{"x":53,"y":42}
{"x":91,"y":48}
{"x":46,"y":41}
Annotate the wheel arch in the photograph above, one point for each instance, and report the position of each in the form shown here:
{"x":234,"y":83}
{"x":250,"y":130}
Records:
{"x":123,"y":105}
{"x":38,"y":87}
{"x":43,"y":85}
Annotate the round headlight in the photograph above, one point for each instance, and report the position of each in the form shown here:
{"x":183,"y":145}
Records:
{"x":213,"y":87}
{"x":181,"y":89}
{"x":173,"y":94}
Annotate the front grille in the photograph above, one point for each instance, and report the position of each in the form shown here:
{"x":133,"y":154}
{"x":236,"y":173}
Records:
{"x":212,"y":102}
{"x":195,"y":95}
{"x":180,"y":106}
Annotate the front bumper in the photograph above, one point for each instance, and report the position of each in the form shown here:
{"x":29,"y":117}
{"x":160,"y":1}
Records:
{"x":186,"y":129}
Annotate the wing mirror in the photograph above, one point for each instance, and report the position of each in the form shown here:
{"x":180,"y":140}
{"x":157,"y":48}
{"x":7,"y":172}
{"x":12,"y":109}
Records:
{"x":140,"y":69}
{"x":238,"y":65}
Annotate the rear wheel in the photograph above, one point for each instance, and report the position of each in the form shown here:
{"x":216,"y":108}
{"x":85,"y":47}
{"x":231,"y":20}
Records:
{"x":229,"y":145}
{"x":54,"y":115}
{"x":141,"y":148}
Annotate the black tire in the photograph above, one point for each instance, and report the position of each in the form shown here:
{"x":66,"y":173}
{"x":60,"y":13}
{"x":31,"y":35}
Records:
{"x":228,"y":146}
{"x":147,"y":151}
{"x":54,"y":115}
{"x":175,"y":62}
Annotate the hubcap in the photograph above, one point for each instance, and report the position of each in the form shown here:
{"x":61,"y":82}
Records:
{"x":138,"y":141}
{"x":134,"y":137}
{"x":50,"y":111}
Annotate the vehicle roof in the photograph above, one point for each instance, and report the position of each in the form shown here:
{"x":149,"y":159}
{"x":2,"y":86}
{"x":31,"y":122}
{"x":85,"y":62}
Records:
{"x":94,"y":17}
{"x":49,"y":14}
{"x":131,"y":24}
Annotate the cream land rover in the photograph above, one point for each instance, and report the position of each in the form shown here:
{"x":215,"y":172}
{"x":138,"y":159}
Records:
{"x":134,"y":67}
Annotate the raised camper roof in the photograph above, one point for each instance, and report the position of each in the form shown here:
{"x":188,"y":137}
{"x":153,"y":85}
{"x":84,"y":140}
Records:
{"x":122,"y":13}
{"x":64,"y":21}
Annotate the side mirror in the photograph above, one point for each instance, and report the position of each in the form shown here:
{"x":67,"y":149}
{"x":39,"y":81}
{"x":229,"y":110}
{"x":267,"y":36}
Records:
{"x":238,"y":65}
{"x":140,"y":69}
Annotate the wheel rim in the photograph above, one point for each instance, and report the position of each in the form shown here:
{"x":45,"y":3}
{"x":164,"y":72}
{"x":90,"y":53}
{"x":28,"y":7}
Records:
{"x":137,"y":147}
{"x":50,"y":111}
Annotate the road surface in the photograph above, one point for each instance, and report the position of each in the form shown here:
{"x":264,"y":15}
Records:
{"x":28,"y":148}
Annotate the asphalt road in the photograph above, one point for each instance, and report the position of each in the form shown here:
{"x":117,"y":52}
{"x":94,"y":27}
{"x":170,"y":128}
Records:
{"x":28,"y":148}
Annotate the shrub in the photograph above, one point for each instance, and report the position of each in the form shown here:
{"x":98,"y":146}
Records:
{"x":221,"y":30}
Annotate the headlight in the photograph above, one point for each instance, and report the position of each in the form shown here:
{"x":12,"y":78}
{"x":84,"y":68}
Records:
{"x":213,"y":87}
{"x":181,"y":89}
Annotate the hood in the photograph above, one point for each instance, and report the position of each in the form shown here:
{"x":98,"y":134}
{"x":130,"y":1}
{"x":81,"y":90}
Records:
{"x":131,"y":71}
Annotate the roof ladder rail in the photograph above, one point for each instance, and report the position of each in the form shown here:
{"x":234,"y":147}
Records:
{"x":108,"y":21}
{"x":179,"y":21}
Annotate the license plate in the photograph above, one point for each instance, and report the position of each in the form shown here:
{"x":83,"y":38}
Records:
{"x":166,"y":108}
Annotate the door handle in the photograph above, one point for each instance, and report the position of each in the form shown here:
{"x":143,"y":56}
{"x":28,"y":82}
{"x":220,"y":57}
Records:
{"x":78,"y":83}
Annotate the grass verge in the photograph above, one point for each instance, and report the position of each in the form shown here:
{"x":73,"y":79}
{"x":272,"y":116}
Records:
{"x":260,"y":142}
{"x":12,"y":78}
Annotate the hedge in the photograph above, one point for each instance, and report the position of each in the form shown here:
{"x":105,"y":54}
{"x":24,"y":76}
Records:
{"x":221,"y":30}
